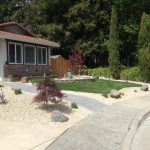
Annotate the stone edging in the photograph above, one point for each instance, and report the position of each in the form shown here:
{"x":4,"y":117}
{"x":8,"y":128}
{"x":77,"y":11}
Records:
{"x":133,"y":128}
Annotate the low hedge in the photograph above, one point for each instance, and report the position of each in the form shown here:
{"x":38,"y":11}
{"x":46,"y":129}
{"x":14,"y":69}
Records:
{"x":132,"y":73}
{"x":103,"y":72}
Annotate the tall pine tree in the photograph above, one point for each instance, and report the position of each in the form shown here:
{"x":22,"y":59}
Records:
{"x":144,"y":47}
{"x":114,"y":45}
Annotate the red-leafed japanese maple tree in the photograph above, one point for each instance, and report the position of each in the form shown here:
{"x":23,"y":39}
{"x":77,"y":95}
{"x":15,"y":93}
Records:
{"x":76,"y":60}
{"x":48,"y":91}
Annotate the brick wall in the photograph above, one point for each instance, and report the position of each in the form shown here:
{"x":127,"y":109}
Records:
{"x":24,"y":70}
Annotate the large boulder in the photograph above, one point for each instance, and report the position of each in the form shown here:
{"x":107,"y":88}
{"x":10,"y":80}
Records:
{"x":144,"y":88}
{"x":24,"y":80}
{"x":115,"y":94}
{"x":58,"y":116}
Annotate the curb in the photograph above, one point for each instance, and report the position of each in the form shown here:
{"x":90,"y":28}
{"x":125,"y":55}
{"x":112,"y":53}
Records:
{"x":133,"y":128}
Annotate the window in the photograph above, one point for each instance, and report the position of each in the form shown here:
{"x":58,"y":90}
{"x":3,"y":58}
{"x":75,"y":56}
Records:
{"x":15,"y":53}
{"x":42,"y":55}
{"x":30,"y":54}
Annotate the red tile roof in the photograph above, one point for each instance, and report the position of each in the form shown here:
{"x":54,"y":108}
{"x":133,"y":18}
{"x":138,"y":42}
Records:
{"x":30,"y":39}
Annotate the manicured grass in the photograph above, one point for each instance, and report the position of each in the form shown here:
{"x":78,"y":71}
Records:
{"x":99,"y":86}
{"x":36,"y":80}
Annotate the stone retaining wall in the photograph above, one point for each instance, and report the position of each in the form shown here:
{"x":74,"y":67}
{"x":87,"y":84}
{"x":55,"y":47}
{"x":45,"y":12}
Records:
{"x":25,"y":70}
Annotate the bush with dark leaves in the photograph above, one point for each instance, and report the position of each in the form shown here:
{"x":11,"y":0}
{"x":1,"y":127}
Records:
{"x":48,"y":91}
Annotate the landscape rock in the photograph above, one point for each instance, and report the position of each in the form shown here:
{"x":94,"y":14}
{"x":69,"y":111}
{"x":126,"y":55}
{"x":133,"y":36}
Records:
{"x":24,"y":80}
{"x":115,"y":94}
{"x":58,"y":116}
{"x":144,"y":88}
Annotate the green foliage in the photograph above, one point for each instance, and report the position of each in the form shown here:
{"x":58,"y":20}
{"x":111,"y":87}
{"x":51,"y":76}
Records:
{"x":74,"y":105}
{"x":52,"y":30}
{"x":102,"y":72}
{"x":144,"y":62}
{"x":114,"y":45}
{"x":144,"y":47}
{"x":84,"y":24}
{"x":132,"y":74}
{"x":89,"y":18}
{"x":17,"y":91}
{"x":144,"y":34}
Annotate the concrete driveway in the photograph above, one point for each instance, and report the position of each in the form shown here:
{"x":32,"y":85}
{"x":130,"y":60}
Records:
{"x":21,"y":135}
{"x":103,"y":130}
{"x":141,"y":140}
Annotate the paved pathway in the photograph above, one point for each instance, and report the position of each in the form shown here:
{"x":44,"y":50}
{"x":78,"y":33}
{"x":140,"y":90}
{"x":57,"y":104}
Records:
{"x":142,"y":138}
{"x":23,"y":87}
{"x":103,"y":130}
{"x":22,"y":135}
{"x":86,"y":102}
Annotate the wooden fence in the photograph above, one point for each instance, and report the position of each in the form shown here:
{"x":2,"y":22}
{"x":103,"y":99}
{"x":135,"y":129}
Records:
{"x":59,"y":65}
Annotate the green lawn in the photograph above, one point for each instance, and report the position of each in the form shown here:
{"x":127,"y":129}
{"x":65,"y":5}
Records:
{"x":35,"y":80}
{"x":100,"y":86}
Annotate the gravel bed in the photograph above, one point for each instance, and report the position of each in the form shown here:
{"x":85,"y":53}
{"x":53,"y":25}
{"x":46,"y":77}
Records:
{"x":22,"y":107}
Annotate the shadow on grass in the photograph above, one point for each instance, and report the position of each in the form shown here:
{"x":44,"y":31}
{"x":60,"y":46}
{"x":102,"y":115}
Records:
{"x":60,"y":107}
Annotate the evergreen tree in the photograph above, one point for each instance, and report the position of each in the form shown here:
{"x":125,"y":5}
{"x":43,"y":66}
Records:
{"x":80,"y":23}
{"x":114,"y":45}
{"x":144,"y":47}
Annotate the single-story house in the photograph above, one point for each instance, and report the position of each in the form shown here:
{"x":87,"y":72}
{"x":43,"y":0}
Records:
{"x":23,"y":53}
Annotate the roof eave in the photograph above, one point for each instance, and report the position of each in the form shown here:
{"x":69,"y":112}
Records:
{"x":53,"y":44}
{"x":57,"y":45}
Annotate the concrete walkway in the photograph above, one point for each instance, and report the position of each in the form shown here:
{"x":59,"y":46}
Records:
{"x":104,"y":130}
{"x":23,"y":87}
{"x":21,"y":135}
{"x":142,"y":138}
{"x":86,"y":102}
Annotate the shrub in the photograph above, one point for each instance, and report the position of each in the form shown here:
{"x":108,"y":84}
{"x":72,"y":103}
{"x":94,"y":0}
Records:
{"x":103,"y":72}
{"x":2,"y":97}
{"x":76,"y":61}
{"x":17,"y":91}
{"x":74,"y":105}
{"x":132,"y":73}
{"x":144,"y":47}
{"x":48,"y":91}
{"x":114,"y":45}
{"x":144,"y":63}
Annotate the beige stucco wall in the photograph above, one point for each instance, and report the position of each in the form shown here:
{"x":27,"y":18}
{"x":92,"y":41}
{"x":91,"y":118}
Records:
{"x":3,"y":57}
